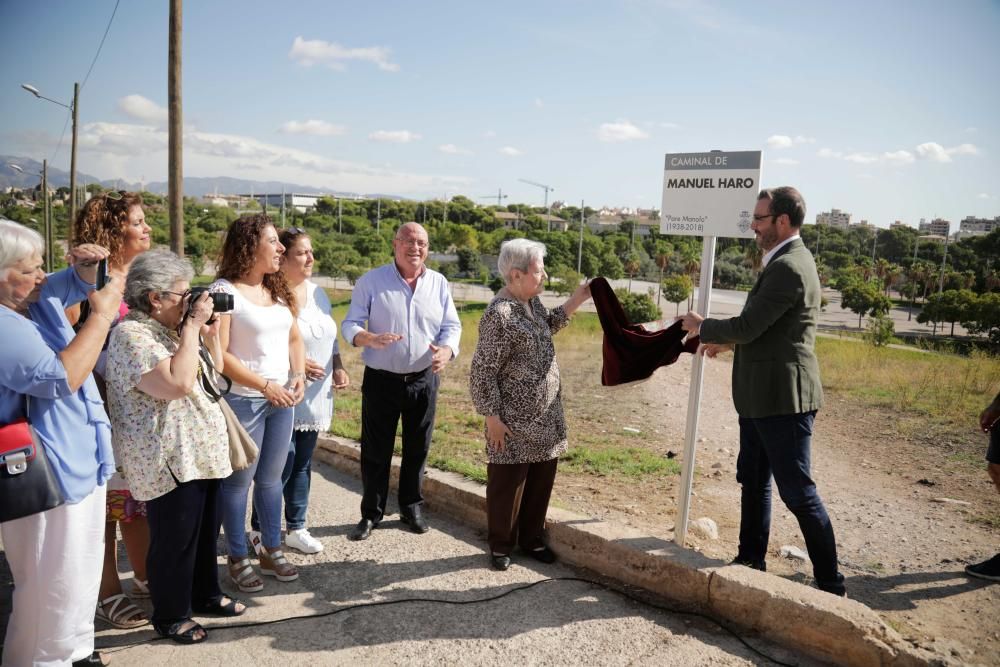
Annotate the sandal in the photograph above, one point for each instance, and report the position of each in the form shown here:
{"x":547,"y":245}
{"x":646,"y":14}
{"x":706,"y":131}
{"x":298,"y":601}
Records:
{"x":123,"y":614}
{"x":274,"y":564}
{"x":192,"y":634}
{"x":140,"y":588}
{"x":216,"y":607}
{"x":243,"y":576}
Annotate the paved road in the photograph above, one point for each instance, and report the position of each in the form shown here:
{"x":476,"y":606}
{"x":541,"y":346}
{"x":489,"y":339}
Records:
{"x":557,"y":623}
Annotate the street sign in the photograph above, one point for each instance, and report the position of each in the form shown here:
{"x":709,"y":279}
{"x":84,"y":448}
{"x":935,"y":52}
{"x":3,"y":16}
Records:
{"x":710,"y":194}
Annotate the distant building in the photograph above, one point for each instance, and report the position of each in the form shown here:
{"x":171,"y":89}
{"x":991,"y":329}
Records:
{"x":898,"y":223}
{"x":936,"y":227}
{"x":972,"y":224}
{"x":303,"y":203}
{"x":864,"y":223}
{"x":834,"y":218}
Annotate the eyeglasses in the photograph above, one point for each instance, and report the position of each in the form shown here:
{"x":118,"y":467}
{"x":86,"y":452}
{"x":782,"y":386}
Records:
{"x":115,"y":195}
{"x":180,"y":294}
{"x":758,"y":218}
{"x":295,"y":230}
{"x":414,"y":242}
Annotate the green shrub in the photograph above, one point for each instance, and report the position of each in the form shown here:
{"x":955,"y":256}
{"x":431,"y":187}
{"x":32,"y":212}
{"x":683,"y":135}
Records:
{"x":639,"y":308}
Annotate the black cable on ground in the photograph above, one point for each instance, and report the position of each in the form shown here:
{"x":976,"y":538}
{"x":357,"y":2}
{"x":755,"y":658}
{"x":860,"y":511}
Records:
{"x":232,"y":626}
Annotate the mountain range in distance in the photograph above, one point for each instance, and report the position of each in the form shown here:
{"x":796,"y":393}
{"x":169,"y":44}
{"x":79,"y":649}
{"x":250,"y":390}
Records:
{"x":194,"y":186}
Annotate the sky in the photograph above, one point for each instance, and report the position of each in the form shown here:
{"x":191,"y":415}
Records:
{"x":888,"y":110}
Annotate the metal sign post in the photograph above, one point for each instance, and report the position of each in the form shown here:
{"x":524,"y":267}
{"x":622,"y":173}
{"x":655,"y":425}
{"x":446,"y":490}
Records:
{"x":709,"y":195}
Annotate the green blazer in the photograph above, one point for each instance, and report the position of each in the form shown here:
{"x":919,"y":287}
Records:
{"x":775,"y":371}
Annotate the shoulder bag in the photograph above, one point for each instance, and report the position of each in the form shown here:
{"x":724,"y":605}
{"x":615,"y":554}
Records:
{"x":242,"y":449}
{"x":27,"y":484}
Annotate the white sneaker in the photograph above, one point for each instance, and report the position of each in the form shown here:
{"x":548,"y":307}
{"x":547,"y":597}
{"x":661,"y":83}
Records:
{"x":301,"y":540}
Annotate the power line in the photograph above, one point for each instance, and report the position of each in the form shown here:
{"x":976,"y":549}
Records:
{"x":101,"y":45}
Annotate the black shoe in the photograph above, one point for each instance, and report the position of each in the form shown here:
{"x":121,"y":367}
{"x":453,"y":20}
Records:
{"x":753,"y":565}
{"x":988,"y":569}
{"x":500,"y":561}
{"x":362,"y":531}
{"x":415,"y":521}
{"x":543,"y":555}
{"x":95,"y":659}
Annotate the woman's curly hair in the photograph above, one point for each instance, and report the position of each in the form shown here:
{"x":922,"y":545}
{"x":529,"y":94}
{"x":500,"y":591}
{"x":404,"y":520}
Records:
{"x":239,"y":252}
{"x":102,"y":220}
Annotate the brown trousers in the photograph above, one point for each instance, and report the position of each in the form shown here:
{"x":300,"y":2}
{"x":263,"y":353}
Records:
{"x":517,"y":498}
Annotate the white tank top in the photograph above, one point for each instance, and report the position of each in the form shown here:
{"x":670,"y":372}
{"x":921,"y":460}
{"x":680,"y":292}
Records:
{"x":258,"y":337}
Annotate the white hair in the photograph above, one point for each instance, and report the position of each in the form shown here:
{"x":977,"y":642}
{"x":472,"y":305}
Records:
{"x":518,"y":254}
{"x":154,"y":271}
{"x":17,"y":242}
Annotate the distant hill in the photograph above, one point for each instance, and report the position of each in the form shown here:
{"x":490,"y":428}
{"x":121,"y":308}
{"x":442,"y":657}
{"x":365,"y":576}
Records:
{"x":194,"y":186}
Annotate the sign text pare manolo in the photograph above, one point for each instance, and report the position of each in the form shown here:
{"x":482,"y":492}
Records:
{"x":710,"y":194}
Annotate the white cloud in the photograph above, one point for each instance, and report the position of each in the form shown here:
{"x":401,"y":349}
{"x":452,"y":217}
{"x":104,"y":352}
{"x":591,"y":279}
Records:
{"x":316,"y":128}
{"x":539,"y":103}
{"x":983,"y":195}
{"x":779,"y":141}
{"x":510,"y":151}
{"x":121,"y":138}
{"x":143,"y":109}
{"x":861,"y":158}
{"x":963,"y":149}
{"x":309,"y":52}
{"x":452,"y":149}
{"x":829,"y":153}
{"x":785,"y":160}
{"x":933,"y":151}
{"x":898,"y":157}
{"x":622,"y":130}
{"x":394,"y":136}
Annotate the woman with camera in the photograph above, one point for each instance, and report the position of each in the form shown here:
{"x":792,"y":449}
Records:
{"x":116,"y":220}
{"x":265,"y":358}
{"x":171,"y":438}
{"x":45,"y":376}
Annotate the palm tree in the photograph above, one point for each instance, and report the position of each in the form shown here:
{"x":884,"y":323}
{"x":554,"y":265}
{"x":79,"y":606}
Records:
{"x":692,"y":267}
{"x":663,"y":253}
{"x":891,"y":275}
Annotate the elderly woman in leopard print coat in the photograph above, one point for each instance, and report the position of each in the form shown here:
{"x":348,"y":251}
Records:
{"x":514,"y":382}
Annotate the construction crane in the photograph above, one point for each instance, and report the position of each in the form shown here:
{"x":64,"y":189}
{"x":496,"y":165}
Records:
{"x":499,"y":195}
{"x":547,"y":188}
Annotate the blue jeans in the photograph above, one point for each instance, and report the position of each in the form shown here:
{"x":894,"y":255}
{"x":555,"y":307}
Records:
{"x":271,"y":428}
{"x":296,"y":479}
{"x":779,"y":446}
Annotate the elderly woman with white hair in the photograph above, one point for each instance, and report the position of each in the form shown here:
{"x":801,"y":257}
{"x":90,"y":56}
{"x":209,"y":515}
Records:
{"x":55,"y":555}
{"x":514,"y":382}
{"x":170,"y":438}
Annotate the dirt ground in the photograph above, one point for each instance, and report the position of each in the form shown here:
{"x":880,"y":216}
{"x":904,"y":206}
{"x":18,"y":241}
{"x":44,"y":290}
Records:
{"x":901,"y":548}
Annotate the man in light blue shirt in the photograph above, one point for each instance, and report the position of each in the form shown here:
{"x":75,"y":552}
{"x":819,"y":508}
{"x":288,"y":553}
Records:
{"x":403,"y":315}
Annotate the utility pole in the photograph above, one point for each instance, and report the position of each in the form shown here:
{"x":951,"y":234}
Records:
{"x":944,"y":258}
{"x":72,"y":162}
{"x":579,"y":248}
{"x":47,"y":217}
{"x":175,"y":139}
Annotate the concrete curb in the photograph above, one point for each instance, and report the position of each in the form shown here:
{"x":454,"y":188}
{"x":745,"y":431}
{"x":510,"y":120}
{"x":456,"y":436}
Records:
{"x":841,"y":631}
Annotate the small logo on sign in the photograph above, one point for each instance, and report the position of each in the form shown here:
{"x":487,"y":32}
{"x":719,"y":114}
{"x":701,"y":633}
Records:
{"x":744,"y":222}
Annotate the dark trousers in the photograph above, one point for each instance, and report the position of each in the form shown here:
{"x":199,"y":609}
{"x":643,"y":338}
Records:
{"x":517,"y":498}
{"x":779,"y":446}
{"x":183,"y":529}
{"x":385,"y":398}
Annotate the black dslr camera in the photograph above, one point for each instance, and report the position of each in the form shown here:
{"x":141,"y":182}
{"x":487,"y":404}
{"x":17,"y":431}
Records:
{"x":221,"y":302}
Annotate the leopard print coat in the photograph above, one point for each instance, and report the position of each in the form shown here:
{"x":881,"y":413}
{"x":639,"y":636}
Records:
{"x":515,"y":376}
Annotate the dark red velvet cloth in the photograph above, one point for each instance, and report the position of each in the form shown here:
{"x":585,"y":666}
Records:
{"x":631,"y":352}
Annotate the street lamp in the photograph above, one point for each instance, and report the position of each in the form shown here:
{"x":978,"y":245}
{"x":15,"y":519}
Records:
{"x":46,"y":210}
{"x":72,"y":156}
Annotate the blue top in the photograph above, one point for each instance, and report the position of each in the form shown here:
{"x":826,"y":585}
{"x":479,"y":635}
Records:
{"x":423,"y":315}
{"x":73,"y":426}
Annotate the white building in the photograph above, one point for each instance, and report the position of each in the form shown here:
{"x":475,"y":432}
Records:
{"x":937,"y":227}
{"x":834,"y":218}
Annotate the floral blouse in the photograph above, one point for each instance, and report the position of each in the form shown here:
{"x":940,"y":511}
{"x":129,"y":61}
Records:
{"x":515,"y":376}
{"x":156,"y":440}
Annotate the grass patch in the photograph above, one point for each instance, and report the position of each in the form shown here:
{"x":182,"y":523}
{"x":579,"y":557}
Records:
{"x":629,"y":462}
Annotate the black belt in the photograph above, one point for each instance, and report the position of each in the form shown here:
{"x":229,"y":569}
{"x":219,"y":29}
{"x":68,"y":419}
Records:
{"x":403,"y":377}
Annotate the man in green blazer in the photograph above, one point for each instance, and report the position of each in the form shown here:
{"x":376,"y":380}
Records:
{"x":776,"y":386}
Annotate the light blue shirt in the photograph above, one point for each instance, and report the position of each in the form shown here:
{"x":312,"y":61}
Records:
{"x":382,"y":302}
{"x":73,"y":426}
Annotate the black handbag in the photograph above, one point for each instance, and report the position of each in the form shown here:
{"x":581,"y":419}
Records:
{"x":27,"y":484}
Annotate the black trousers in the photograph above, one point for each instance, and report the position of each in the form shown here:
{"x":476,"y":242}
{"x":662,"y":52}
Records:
{"x":517,"y":498}
{"x":182,"y":567}
{"x":385,"y":398}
